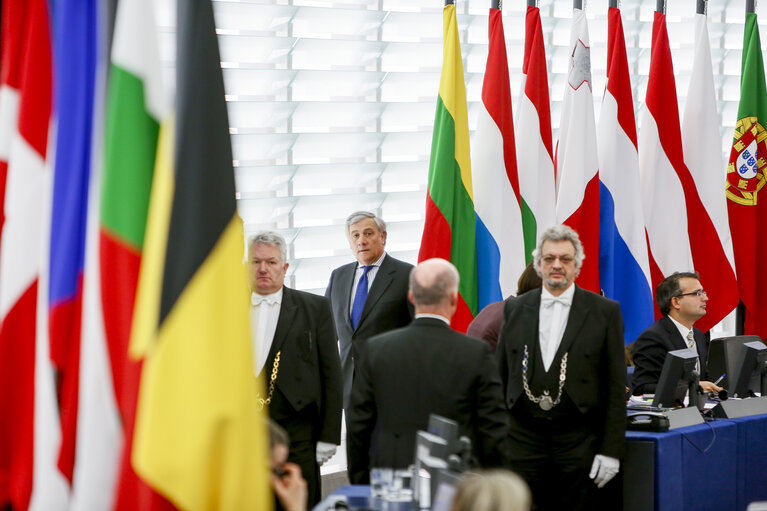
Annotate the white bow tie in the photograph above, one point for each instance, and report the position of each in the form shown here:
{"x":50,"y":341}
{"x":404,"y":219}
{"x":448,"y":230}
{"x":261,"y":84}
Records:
{"x":257,"y":299}
{"x":548,"y":301}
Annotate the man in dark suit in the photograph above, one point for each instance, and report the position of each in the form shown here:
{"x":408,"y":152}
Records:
{"x":294,"y":345}
{"x":561,"y":360}
{"x":682,"y":301}
{"x":368,"y":296}
{"x":407,"y":374}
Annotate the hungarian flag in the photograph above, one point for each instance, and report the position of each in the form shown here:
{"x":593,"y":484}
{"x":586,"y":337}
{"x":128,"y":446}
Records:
{"x":500,"y":240}
{"x":450,"y":227}
{"x":745,"y":181}
{"x":199,"y":439}
{"x":681,"y":235}
{"x":624,"y":268}
{"x":533,"y":133}
{"x":576,"y":160}
{"x":29,"y":431}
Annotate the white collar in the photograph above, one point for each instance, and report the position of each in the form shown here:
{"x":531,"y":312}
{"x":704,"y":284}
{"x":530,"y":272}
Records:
{"x":274,"y":298}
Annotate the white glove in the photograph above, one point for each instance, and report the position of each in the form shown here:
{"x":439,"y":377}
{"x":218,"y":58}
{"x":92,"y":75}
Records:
{"x":603,"y":469}
{"x":325,"y":451}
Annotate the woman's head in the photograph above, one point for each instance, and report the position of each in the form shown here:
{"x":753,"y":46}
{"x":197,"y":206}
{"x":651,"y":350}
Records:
{"x":492,"y":490}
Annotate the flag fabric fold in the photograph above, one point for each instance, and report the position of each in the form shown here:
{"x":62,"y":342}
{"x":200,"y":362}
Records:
{"x":681,"y":235}
{"x":199,"y":440}
{"x":745,"y":181}
{"x":75,"y":34}
{"x":450,"y":224}
{"x":624,"y":267}
{"x":29,"y":444}
{"x":535,"y":163}
{"x":576,"y":157}
{"x":500,"y":239}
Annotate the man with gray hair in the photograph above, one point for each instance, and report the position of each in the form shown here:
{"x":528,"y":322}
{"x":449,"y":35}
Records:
{"x":368,"y":296}
{"x":407,"y":374}
{"x":561,"y":359}
{"x":294,"y":346}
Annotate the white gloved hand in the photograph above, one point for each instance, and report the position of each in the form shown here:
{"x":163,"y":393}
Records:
{"x":325,"y":451}
{"x":603,"y":469}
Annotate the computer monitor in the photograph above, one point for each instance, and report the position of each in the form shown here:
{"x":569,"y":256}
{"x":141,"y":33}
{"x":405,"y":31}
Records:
{"x":444,"y":428}
{"x":723,"y":356}
{"x":446,"y":486}
{"x":750,"y":373}
{"x":677,"y":377}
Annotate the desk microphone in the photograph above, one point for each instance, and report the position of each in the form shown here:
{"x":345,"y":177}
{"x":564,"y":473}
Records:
{"x":722,"y":395}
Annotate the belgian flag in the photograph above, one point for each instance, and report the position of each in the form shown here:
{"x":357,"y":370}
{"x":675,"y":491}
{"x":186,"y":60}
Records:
{"x":199,"y":440}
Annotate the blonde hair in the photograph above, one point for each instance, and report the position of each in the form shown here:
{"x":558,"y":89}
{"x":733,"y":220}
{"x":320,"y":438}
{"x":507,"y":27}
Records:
{"x":492,"y":490}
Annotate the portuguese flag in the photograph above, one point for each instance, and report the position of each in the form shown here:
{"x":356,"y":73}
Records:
{"x":199,"y":440}
{"x":450,"y":228}
{"x":746,"y":196}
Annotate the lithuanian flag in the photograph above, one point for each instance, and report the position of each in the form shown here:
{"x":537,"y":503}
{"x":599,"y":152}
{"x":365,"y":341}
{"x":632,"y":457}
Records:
{"x":450,"y":228}
{"x":199,"y":440}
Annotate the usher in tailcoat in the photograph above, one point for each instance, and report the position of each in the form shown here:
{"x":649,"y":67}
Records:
{"x":386,"y":308}
{"x":596,"y":368}
{"x":650,"y":350}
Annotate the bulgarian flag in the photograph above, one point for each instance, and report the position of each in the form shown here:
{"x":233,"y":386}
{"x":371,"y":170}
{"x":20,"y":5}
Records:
{"x":136,"y":106}
{"x":745,"y":182}
{"x":450,"y":228}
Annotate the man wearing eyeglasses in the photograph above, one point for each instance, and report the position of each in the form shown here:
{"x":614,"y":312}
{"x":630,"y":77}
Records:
{"x":682,"y":301}
{"x":561,"y":360}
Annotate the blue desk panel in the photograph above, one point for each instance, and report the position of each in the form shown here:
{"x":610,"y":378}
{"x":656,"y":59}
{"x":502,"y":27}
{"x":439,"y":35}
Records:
{"x":686,"y":461}
{"x":752,"y":459}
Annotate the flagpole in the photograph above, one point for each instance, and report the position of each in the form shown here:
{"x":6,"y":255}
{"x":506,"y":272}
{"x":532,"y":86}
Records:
{"x":701,"y":8}
{"x":750,"y":6}
{"x":614,"y":3}
{"x":578,"y":4}
{"x":532,"y":3}
{"x":495,"y":4}
{"x":660,"y":6}
{"x":449,"y":2}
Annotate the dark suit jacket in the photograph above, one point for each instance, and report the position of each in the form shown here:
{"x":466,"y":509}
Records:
{"x":596,"y":368}
{"x":409,"y":373}
{"x":307,"y":397}
{"x":650,"y":350}
{"x":386,"y":308}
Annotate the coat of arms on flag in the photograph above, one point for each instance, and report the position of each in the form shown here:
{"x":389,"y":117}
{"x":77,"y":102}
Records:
{"x":745,"y":172}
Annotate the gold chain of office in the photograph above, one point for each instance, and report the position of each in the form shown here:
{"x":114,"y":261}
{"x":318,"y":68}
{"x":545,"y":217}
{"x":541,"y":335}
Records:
{"x":275,"y":369}
{"x":545,"y":401}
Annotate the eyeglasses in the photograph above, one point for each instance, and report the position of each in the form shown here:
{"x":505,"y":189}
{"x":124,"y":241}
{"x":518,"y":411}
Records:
{"x":565,"y":259}
{"x":698,"y":293}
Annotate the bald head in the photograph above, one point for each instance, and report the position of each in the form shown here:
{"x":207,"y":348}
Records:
{"x":434,"y":287}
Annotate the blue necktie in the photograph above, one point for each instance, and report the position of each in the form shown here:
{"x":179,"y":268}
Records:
{"x":360,"y":296}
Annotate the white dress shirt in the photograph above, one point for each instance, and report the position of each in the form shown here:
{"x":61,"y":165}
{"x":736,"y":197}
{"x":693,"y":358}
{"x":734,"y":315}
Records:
{"x":372,"y":272}
{"x":552,"y":319}
{"x":685,"y":332}
{"x":264,"y":313}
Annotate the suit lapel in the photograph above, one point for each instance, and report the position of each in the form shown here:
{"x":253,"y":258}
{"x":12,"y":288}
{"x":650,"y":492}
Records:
{"x":285,"y":321}
{"x":345,"y":283}
{"x":677,"y":340}
{"x":578,"y":314}
{"x":382,"y":281}
{"x":530,"y":316}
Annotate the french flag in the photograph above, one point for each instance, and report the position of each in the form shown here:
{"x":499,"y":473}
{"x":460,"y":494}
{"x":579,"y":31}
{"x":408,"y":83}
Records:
{"x":500,"y":242}
{"x":624,"y":267}
{"x":577,"y":161}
